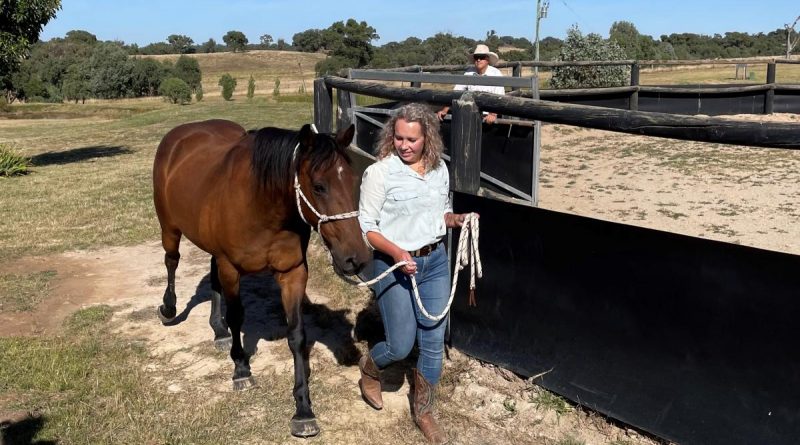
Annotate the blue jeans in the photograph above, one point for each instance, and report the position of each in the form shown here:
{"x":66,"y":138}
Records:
{"x":403,"y":322}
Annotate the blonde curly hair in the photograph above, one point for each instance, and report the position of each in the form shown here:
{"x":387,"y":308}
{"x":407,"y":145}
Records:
{"x":414,"y":112}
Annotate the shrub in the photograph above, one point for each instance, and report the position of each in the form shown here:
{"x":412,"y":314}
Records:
{"x":251,"y":87}
{"x":228,"y":84}
{"x":175,"y":90}
{"x":589,"y":47}
{"x":198,"y":94}
{"x":277,"y":90}
{"x":11,"y":162}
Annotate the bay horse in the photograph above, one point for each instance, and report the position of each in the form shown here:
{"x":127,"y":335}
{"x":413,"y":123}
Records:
{"x":237,"y":195}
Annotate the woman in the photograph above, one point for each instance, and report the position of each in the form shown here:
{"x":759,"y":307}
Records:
{"x":404,"y":213}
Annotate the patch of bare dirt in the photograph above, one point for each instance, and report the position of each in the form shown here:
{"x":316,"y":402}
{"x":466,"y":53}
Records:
{"x":740,"y":195}
{"x":480,"y":403}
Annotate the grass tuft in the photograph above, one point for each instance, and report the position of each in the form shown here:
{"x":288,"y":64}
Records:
{"x":89,"y":318}
{"x":20,"y":293}
{"x":543,"y":399}
{"x":12,"y":163}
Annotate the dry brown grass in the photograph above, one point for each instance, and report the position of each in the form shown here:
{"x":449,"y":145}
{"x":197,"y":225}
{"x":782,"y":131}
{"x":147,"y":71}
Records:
{"x":294,"y":69}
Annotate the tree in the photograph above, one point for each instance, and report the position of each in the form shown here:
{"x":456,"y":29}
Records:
{"x":175,"y":90}
{"x":180,"y":44}
{"x":235,"y":40}
{"x":308,"y":41}
{"x":251,"y":87}
{"x":351,"y":41}
{"x":590,"y":47}
{"x":209,"y":47}
{"x":282,"y":45}
{"x":76,"y":84}
{"x":147,"y":75}
{"x":228,"y":84}
{"x":20,"y":25}
{"x":187,"y":69}
{"x":266,"y":40}
{"x":111,"y":71}
{"x":81,"y":36}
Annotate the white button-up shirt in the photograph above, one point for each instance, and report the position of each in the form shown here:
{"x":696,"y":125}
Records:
{"x":490,"y":71}
{"x":405,"y":207}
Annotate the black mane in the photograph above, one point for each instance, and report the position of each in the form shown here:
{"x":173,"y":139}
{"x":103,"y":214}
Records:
{"x":272,"y":151}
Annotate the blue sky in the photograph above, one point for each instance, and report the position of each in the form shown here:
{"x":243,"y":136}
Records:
{"x":149,"y":21}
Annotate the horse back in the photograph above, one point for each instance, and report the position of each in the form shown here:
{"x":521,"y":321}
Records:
{"x":193,"y":164}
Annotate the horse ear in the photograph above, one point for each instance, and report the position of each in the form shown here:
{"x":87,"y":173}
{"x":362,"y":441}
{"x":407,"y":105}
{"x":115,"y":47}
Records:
{"x":344,"y":137}
{"x":306,"y":136}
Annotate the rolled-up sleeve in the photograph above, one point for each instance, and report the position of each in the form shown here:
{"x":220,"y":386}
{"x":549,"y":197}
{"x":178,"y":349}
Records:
{"x":448,"y":204}
{"x":372,"y":197}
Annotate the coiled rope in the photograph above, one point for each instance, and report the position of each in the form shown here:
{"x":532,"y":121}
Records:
{"x":467,"y":254}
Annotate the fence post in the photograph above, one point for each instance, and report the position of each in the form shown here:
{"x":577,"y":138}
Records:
{"x":769,"y":95}
{"x":537,"y":146}
{"x":323,"y":106}
{"x":417,"y":84}
{"x":634,"y":105}
{"x":465,"y":145}
{"x":516,"y":72}
{"x":345,"y":114}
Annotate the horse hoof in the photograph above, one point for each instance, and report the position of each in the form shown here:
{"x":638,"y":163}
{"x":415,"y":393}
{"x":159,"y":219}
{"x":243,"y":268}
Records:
{"x":244,"y":383}
{"x":164,"y":319}
{"x":223,"y":344}
{"x":304,"y":427}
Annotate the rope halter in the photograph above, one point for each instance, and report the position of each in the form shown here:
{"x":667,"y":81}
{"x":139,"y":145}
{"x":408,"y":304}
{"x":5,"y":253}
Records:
{"x":298,"y":193}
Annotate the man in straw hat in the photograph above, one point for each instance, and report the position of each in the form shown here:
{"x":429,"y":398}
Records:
{"x":484,"y":61}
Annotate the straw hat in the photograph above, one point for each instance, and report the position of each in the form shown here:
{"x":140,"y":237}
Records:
{"x":482,"y":49}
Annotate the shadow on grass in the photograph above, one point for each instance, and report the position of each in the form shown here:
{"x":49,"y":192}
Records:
{"x":22,"y":431}
{"x":78,"y":155}
{"x":265,"y":319}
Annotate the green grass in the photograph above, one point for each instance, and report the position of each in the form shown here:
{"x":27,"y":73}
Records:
{"x":22,"y":292}
{"x":90,"y":183}
{"x":546,"y":400}
{"x":89,"y":386}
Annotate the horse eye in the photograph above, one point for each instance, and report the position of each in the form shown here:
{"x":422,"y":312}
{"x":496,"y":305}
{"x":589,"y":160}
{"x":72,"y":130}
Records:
{"x":319,"y":189}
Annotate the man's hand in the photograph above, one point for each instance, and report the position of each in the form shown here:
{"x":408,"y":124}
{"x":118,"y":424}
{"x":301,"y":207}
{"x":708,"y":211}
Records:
{"x":490,"y":118}
{"x":442,"y":113}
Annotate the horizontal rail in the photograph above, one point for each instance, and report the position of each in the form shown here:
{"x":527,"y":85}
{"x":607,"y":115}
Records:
{"x":749,"y":133}
{"x":498,"y":81}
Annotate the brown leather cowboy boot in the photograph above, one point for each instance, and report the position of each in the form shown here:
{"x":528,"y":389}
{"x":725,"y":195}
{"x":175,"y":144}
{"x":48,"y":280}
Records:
{"x":370,"y":382}
{"x":423,"y":410}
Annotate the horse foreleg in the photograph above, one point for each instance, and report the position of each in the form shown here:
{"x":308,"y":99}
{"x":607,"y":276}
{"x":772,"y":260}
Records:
{"x":222,"y":337}
{"x":293,"y":287}
{"x":167,"y":311}
{"x":229,"y":279}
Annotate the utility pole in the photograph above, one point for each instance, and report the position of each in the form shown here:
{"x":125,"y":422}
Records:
{"x":541,"y":12}
{"x":789,"y":44}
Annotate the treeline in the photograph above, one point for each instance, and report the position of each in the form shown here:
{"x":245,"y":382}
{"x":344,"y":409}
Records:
{"x":79,"y":66}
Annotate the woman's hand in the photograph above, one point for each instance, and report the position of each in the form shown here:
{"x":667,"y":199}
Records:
{"x":453,"y":220}
{"x":402,"y":255}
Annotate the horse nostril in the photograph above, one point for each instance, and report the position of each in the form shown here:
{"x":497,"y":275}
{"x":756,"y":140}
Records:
{"x":353,"y":265}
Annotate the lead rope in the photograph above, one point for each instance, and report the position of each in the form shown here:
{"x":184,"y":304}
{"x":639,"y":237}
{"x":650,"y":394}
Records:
{"x":467,"y":254}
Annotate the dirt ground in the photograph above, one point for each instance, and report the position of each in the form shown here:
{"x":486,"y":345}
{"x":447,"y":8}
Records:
{"x":130,"y":280}
{"x":733,"y":194}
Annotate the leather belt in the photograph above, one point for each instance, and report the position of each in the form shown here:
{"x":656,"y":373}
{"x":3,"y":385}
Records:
{"x":425,"y":250}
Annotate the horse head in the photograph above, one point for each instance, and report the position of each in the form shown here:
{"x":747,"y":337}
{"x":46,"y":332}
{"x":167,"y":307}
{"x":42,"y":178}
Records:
{"x":328,"y":182}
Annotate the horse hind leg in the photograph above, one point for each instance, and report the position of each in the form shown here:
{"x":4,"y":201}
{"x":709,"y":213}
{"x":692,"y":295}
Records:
{"x":171,"y":241}
{"x":222,"y":336}
{"x":229,"y":280}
